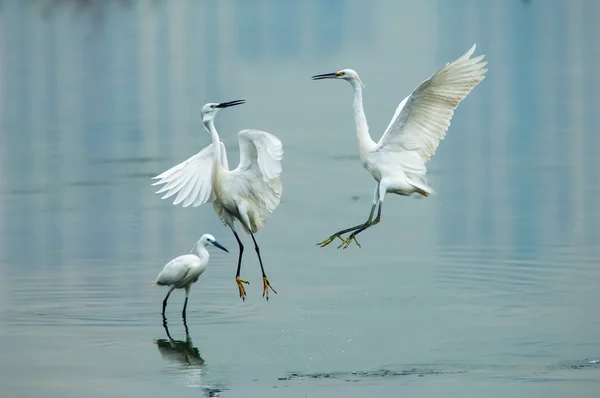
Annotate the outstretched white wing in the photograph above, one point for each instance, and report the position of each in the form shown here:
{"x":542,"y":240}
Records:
{"x":191,"y":180}
{"x":257,"y":176}
{"x":422,"y":119}
{"x":262,"y":150}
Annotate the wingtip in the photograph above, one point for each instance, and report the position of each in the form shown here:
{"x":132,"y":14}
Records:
{"x":472,"y":50}
{"x":466,"y":56}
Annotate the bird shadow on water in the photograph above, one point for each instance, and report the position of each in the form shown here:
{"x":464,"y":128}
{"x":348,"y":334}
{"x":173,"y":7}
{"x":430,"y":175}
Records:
{"x":186,"y":358}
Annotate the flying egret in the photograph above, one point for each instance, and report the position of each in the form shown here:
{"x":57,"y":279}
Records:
{"x":183,"y":271}
{"x":249,"y":193}
{"x":397,"y":161}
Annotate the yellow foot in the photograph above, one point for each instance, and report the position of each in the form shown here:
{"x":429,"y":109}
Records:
{"x":346,"y":242}
{"x":329,"y":240}
{"x":240,"y":283}
{"x":266,"y":287}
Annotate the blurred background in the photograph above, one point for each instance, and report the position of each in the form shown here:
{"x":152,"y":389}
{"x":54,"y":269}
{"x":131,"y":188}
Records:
{"x":490,"y":287}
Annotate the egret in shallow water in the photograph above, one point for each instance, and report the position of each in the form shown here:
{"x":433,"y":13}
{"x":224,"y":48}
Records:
{"x":249,"y":193}
{"x":183,"y":271}
{"x":397,"y":161}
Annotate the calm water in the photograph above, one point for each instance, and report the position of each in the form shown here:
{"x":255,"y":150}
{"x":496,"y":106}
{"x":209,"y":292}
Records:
{"x":488,"y":289}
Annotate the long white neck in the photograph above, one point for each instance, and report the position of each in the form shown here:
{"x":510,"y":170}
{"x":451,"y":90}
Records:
{"x":362,"y":129}
{"x":201,"y":250}
{"x":210,"y":126}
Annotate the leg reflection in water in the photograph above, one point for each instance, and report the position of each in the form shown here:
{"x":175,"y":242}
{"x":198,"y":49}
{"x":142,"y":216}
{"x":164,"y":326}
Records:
{"x":179,"y":351}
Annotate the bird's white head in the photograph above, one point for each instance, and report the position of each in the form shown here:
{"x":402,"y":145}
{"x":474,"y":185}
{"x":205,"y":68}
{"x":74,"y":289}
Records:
{"x":208,"y":239}
{"x":210,"y":110}
{"x":349,"y":75}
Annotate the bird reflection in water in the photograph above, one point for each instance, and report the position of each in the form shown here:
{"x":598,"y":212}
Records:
{"x":187,"y":359}
{"x":179,"y":351}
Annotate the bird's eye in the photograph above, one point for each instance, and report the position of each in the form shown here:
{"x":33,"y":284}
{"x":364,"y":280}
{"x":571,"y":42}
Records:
{"x":212,"y":106}
{"x":342,"y":73}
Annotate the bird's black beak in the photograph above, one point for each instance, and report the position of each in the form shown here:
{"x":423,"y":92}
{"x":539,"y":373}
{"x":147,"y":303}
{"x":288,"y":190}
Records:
{"x":217,"y":244}
{"x":325,"y":76}
{"x":230,"y":103}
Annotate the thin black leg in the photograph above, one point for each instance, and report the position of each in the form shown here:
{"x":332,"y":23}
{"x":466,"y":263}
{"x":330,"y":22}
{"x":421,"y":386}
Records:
{"x":239,"y":280}
{"x":343,"y":231}
{"x":258,"y":254}
{"x":266,"y":283}
{"x":165,"y":302}
{"x":368,"y":225}
{"x":359,"y":225}
{"x":184,"y":307}
{"x":241,"y":247}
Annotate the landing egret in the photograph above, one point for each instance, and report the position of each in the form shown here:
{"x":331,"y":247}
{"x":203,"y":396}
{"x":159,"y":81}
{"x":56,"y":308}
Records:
{"x":183,"y":271}
{"x":249,"y":193}
{"x":397,"y":161}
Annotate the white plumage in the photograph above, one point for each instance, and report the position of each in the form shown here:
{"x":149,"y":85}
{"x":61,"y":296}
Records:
{"x":191,"y":179}
{"x":398,"y":161}
{"x":249,"y":193}
{"x":252,"y":191}
{"x":183,"y":271}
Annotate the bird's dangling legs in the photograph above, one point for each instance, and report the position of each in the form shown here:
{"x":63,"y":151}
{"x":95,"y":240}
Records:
{"x":266,"y":284}
{"x":352,"y":236}
{"x":240,"y":282}
{"x":165,"y":301}
{"x":343,"y":231}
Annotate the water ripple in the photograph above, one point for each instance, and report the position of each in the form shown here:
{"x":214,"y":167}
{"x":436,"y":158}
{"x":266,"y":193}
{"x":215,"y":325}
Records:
{"x":556,"y":269}
{"x":520,"y":371}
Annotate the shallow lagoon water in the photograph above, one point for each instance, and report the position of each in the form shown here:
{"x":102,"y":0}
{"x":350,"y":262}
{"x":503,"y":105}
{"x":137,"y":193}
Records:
{"x":489,"y":288}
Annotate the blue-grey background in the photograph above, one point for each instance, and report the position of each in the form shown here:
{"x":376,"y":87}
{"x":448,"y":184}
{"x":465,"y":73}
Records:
{"x":489,"y":288}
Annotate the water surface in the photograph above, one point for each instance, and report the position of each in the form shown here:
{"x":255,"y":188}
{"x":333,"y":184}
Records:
{"x":489,"y":288}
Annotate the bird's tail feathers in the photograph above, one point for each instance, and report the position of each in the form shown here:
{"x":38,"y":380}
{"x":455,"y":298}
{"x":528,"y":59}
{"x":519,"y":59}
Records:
{"x":419,"y":182}
{"x":256,"y":224}
{"x":424,"y":191}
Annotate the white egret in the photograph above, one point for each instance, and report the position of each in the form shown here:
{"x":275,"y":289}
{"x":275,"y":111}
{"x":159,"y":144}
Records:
{"x":397,"y":161}
{"x":249,"y":193}
{"x":183,"y":271}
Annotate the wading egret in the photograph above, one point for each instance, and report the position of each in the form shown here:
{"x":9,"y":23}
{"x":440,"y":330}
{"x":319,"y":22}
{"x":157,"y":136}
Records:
{"x":183,"y":271}
{"x":397,"y":161}
{"x":249,"y":193}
